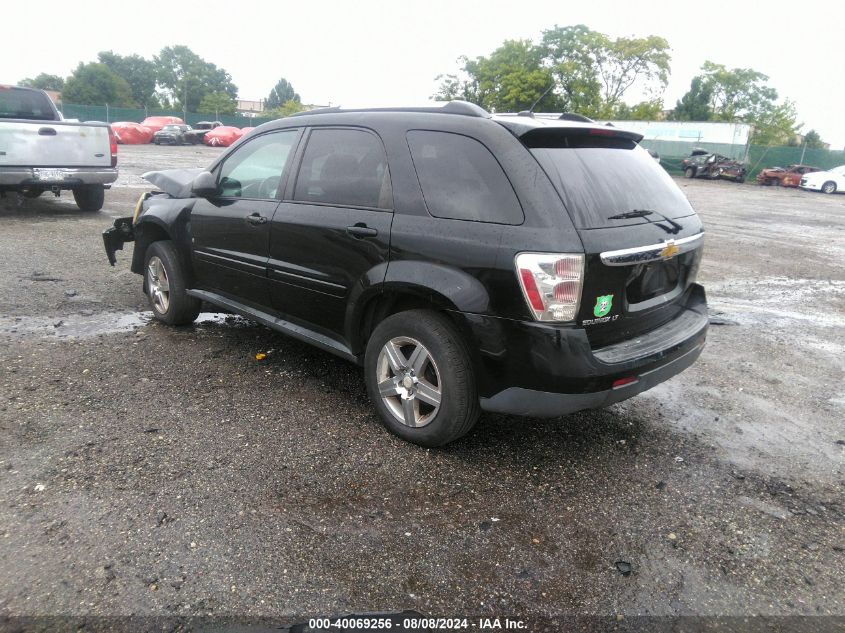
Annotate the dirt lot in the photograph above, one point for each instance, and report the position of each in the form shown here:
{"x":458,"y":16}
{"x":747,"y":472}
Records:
{"x":156,"y":471}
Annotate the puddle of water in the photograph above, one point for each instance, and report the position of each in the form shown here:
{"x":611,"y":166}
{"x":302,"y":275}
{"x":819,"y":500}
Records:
{"x":80,"y":326}
{"x":73,"y":325}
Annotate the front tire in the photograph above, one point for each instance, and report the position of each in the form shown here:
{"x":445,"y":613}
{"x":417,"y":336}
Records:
{"x":164,"y":285}
{"x":420,"y":378}
{"x":89,"y":198}
{"x":829,"y":187}
{"x":689,"y":172}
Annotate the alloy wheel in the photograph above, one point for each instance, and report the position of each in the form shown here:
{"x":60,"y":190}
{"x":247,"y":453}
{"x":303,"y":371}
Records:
{"x":409,"y":382}
{"x":158,"y":286}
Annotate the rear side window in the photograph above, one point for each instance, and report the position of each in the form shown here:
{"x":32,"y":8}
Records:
{"x":344,"y":167}
{"x":461,"y":180}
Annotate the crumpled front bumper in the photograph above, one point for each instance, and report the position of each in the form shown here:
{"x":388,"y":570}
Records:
{"x":115,"y":237}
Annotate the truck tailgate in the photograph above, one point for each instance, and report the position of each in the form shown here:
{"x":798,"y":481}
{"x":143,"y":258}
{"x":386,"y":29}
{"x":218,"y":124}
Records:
{"x":26,"y":143}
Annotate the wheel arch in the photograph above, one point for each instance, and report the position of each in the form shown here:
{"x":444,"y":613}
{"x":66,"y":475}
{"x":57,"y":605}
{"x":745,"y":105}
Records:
{"x":163,"y":222}
{"x":414,"y":285}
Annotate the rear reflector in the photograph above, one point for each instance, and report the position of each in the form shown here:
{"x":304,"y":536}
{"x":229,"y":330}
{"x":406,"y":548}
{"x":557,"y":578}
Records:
{"x":621,"y":382}
{"x":551,"y":283}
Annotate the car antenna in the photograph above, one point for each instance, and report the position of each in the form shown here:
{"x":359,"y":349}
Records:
{"x":530,"y":111}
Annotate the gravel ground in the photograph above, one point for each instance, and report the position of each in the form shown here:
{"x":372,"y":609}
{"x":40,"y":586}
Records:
{"x":165,"y":472}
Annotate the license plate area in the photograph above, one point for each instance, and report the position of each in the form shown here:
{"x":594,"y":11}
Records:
{"x":653,"y":279}
{"x":49,"y":174}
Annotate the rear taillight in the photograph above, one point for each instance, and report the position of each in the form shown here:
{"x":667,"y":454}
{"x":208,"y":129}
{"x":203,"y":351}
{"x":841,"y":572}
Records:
{"x":113,"y":147}
{"x":551,"y":283}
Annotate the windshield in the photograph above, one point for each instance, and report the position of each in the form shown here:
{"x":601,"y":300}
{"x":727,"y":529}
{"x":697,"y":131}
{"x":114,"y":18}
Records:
{"x":171,"y":128}
{"x":610,"y":182}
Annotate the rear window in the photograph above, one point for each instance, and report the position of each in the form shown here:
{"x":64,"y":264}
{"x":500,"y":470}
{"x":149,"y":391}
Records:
{"x":600,"y":178}
{"x":17,"y":103}
{"x":461,"y":180}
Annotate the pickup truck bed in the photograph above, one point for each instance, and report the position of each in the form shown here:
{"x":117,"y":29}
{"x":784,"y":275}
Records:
{"x":41,"y":152}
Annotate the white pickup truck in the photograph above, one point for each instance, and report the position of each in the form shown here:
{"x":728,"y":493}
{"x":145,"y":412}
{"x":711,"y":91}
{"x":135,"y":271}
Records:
{"x":39,"y":151}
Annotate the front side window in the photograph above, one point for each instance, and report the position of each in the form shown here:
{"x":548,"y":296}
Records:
{"x":461,"y":180}
{"x":344,"y":167}
{"x":255,"y":168}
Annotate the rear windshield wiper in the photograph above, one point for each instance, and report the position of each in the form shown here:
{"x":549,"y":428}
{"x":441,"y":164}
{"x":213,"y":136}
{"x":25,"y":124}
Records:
{"x":673,"y":227}
{"x":636,"y":213}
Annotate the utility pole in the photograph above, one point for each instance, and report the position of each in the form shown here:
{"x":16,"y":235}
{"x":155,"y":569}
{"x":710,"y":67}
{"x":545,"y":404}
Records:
{"x":803,"y":149}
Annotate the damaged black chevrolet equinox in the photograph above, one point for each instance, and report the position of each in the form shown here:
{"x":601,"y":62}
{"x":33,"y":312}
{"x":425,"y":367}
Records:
{"x":521,"y":264}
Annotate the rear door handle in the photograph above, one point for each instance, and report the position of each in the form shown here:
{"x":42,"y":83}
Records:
{"x":47,"y":131}
{"x":361,"y":230}
{"x":256,"y":219}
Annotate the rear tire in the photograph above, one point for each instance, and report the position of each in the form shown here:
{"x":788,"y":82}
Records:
{"x":689,"y":172}
{"x":165,"y":287}
{"x":829,"y":187}
{"x":89,"y":198}
{"x":420,"y":378}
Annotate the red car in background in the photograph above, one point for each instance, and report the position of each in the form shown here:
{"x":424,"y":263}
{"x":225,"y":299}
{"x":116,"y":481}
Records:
{"x":785,"y":177}
{"x":128,"y":133}
{"x":155,"y":123}
{"x":222,"y":136}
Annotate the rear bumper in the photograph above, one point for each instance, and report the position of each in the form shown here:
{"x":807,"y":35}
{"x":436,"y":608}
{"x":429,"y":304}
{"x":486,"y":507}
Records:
{"x":541,"y":370}
{"x":25,"y":177}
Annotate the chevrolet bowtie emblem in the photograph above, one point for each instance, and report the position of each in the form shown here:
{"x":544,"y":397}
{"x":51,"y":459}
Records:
{"x":669,"y":250}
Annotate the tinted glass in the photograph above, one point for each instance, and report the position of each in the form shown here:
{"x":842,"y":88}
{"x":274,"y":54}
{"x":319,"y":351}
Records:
{"x":344,"y":167}
{"x":16,"y":103}
{"x":461,"y":180}
{"x":598,"y":179}
{"x":255,"y":169}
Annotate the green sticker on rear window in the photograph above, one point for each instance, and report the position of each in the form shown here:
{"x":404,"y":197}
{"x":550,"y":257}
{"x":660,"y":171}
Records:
{"x":603,"y":305}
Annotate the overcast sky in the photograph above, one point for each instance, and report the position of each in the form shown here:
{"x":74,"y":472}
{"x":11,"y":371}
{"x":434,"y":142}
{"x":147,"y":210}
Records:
{"x":369,"y":51}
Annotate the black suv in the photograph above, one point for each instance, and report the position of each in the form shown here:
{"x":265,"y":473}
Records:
{"x":532,"y":266}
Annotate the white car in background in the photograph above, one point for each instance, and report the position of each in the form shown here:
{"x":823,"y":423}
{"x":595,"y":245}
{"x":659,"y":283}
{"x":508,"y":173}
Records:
{"x":829,"y":181}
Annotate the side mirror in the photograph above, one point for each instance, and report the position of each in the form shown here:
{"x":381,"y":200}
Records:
{"x":204,"y":185}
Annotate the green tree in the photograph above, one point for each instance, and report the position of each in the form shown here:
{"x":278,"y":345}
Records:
{"x":291,"y":106}
{"x":509,"y":80}
{"x":217,"y":103}
{"x":695,"y":104}
{"x":813,"y":140}
{"x":573,"y":68}
{"x":643,"y":111}
{"x":281,"y":93}
{"x":570,"y":52}
{"x":138,"y":72}
{"x":44,"y":82}
{"x":187,"y":77}
{"x":96,"y":84}
{"x":740,"y":94}
{"x":775,"y":125}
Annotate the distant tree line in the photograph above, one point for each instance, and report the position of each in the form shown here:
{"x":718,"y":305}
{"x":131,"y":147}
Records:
{"x":576,"y":69}
{"x":175,"y":79}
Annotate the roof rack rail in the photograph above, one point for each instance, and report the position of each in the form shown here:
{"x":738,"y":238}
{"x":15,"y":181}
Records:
{"x":447,"y":107}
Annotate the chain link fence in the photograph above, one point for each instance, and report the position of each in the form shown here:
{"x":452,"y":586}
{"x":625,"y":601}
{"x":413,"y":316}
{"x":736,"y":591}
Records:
{"x":109,"y":114}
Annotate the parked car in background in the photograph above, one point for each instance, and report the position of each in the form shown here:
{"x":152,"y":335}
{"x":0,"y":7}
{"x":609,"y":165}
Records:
{"x":172,"y":134}
{"x":197,"y":133}
{"x":829,"y":181}
{"x":155,"y":123}
{"x":784,"y":176}
{"x":222,"y":136}
{"x":703,"y":164}
{"x":39,"y":151}
{"x":466,"y":261}
{"x":128,"y":133}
